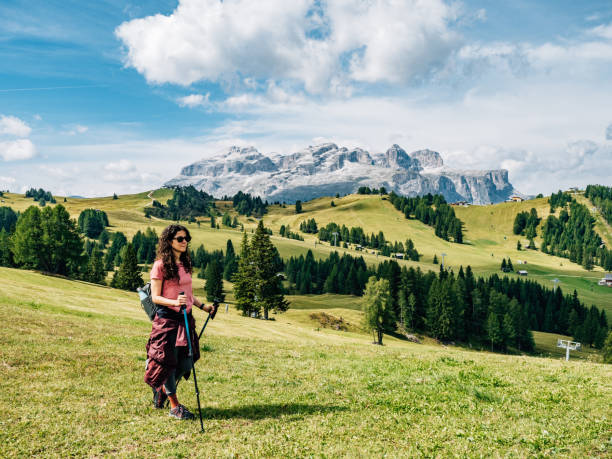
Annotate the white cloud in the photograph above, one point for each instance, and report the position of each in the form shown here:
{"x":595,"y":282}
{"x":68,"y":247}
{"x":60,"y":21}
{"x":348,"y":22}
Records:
{"x":13,"y":126}
{"x":609,"y":132}
{"x":320,"y":45}
{"x":77,"y":129}
{"x":194,"y":100}
{"x":604,"y":31}
{"x":122,"y":165}
{"x":15,"y":150}
{"x":7,"y":182}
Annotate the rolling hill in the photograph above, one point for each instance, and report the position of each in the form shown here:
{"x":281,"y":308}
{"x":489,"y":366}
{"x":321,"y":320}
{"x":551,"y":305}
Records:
{"x":487,"y":233}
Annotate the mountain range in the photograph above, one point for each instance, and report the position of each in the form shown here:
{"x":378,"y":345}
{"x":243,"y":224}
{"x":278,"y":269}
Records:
{"x":325,"y":170}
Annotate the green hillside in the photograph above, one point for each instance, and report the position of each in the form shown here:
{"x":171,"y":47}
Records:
{"x":71,"y":372}
{"x":487,"y":232}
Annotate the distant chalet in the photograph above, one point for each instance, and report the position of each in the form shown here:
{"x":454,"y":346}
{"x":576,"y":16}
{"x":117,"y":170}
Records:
{"x":607,"y":280}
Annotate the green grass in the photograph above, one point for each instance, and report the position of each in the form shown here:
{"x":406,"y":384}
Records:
{"x":71,"y":368}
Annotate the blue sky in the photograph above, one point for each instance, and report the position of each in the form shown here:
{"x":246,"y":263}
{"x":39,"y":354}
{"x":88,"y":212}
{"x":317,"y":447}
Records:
{"x":109,"y":96}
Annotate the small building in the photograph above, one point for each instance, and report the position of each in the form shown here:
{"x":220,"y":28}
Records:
{"x":398,"y":255}
{"x":516,"y":199}
{"x":358,"y":247}
{"x":460,"y":203}
{"x":607,"y":280}
{"x":522,"y":272}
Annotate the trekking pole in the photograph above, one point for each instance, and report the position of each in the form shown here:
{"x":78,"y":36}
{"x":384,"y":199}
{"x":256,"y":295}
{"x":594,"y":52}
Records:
{"x":195,"y":380}
{"x":211,"y":315}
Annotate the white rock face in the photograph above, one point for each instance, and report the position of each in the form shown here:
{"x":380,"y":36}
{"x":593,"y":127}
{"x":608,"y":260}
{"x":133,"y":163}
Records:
{"x":327,"y":169}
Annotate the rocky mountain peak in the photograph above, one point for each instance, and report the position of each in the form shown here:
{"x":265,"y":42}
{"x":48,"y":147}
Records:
{"x":427,"y":159}
{"x":326,"y":169}
{"x":396,"y":156}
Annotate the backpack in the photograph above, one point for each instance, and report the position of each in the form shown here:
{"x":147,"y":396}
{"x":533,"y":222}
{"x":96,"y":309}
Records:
{"x":146,"y":301}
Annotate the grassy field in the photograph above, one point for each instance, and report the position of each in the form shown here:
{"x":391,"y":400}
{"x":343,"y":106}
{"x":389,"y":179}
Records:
{"x":488,"y":234}
{"x":71,"y":368}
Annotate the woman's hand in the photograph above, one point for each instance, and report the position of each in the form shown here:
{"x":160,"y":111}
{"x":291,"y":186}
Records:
{"x":181,"y":300}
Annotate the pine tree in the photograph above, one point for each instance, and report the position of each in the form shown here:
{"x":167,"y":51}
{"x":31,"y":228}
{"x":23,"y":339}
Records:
{"x":244,"y":291}
{"x":214,"y":282}
{"x":213,"y":224}
{"x":65,"y":242}
{"x":509,"y":265}
{"x":352,"y":283}
{"x":298,"y":207}
{"x":129,"y":276}
{"x":494,"y":330}
{"x":607,"y":349}
{"x":230,"y":265}
{"x":104,"y":238}
{"x":6,"y":257}
{"x":503,"y":265}
{"x":95,"y":269}
{"x":267,"y":284}
{"x":378,"y":307}
{"x":518,"y":245}
{"x":587,"y":260}
{"x":331,"y":283}
{"x":440,"y":314}
{"x":403,"y":308}
{"x":435,"y":259}
{"x":27,"y":242}
{"x":509,"y":330}
{"x":600,"y":338}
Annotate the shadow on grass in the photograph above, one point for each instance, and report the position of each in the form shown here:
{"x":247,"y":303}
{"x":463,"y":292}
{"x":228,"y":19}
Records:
{"x":275,"y":410}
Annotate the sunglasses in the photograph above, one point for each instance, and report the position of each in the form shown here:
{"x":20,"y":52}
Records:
{"x":182,"y":238}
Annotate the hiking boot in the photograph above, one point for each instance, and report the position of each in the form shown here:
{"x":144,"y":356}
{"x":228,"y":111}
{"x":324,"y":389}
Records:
{"x":180,"y":412}
{"x":159,"y":398}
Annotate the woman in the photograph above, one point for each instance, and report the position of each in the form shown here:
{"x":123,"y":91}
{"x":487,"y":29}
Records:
{"x":167,"y":349}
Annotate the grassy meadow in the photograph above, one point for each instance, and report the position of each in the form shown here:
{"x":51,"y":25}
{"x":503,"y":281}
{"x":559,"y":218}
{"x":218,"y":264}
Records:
{"x":72,"y":361}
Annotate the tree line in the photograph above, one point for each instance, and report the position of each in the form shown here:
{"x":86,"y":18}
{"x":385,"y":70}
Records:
{"x":342,"y":235}
{"x":92,"y":222}
{"x":335,"y":274}
{"x":496,"y":312}
{"x":601,"y":197}
{"x":285,"y":231}
{"x":368,"y":190}
{"x":40,"y":195}
{"x":245,"y":204}
{"x":525,"y":223}
{"x":559,"y":199}
{"x":186,"y":204}
{"x":572,"y":235}
{"x":49,"y":240}
{"x":432,"y":211}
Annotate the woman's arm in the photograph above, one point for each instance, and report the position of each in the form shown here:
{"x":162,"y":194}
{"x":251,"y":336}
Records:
{"x":202,"y":306}
{"x":175,"y":305}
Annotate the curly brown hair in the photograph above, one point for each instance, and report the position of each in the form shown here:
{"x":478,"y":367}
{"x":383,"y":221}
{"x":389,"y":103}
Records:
{"x":166,"y":255}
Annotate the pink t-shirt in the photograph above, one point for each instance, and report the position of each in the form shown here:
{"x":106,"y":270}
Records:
{"x":172,"y":287}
